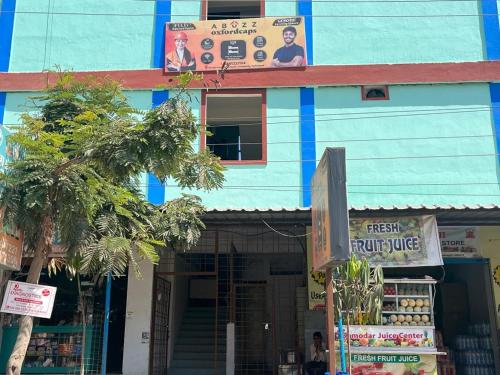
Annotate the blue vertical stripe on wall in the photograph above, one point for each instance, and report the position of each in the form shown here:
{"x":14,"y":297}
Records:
{"x":495,"y":105}
{"x":162,"y":15}
{"x":6,"y":29}
{"x":156,"y":190}
{"x":3,"y":98}
{"x":307,"y":142}
{"x":304,"y":8}
{"x":491,"y":28}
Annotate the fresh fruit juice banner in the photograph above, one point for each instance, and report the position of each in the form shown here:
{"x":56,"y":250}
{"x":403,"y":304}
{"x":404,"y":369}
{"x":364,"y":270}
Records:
{"x":381,"y":337}
{"x":268,"y":42}
{"x":410,"y":241}
{"x":393,"y":364}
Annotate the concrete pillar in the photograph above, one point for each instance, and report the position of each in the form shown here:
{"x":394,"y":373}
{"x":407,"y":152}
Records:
{"x":138,"y":322}
{"x":230,"y":349}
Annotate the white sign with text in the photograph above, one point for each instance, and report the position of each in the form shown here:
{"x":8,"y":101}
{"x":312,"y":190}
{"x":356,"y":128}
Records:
{"x":28,"y":299}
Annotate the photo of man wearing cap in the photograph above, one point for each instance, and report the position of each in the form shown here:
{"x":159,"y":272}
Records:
{"x":180,"y":59}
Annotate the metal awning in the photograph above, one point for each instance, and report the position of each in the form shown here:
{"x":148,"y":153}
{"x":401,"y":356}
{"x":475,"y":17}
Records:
{"x":446,"y":215}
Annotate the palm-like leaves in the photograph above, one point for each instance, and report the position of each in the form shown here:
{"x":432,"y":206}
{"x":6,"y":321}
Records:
{"x":358,"y":291}
{"x":82,"y":157}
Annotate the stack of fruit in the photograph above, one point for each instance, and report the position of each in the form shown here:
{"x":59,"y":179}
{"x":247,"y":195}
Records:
{"x":417,"y":313}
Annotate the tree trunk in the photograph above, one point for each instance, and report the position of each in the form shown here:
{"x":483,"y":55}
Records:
{"x":43,"y":245}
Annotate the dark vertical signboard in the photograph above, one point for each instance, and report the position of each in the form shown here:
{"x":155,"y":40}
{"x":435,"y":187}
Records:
{"x":330,"y":221}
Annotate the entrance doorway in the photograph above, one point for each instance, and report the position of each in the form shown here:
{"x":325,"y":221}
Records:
{"x":247,"y":276}
{"x":253,"y":337}
{"x":159,"y":331}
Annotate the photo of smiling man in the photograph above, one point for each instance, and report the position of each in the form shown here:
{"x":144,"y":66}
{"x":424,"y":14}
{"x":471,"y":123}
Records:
{"x":291,"y":54}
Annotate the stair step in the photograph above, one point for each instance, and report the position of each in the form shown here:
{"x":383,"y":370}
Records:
{"x":221,"y":335}
{"x":196,"y":363}
{"x":199,"y":340}
{"x":207,"y":356}
{"x":181,"y":348}
{"x":202,"y":328}
{"x":196,"y":371}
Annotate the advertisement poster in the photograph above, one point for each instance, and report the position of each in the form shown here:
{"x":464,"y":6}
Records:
{"x":380,"y":337}
{"x":270,"y":42}
{"x":315,"y":281}
{"x":329,"y":213}
{"x":393,"y":364}
{"x":410,"y":241}
{"x":459,"y":241}
{"x":28,"y":299}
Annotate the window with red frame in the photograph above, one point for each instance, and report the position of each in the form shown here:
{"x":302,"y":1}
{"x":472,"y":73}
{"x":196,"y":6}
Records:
{"x":235,"y":127}
{"x":375,"y":93}
{"x":231,"y":9}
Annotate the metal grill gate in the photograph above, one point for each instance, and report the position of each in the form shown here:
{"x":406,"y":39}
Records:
{"x":159,"y":331}
{"x":257,"y":275}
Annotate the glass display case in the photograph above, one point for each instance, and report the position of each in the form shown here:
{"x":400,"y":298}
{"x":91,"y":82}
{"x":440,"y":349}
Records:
{"x":52,"y":349}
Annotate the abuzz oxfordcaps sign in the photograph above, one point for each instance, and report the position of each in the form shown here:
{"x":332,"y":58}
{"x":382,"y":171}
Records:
{"x":269,"y":42}
{"x":29,"y":299}
{"x":409,"y":241}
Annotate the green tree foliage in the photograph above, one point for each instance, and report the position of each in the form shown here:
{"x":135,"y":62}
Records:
{"x":83,"y":156}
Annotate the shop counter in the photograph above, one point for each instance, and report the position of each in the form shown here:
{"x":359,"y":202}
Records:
{"x":392,"y":350}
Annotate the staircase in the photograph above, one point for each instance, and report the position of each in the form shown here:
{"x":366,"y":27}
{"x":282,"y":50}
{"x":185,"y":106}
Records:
{"x":194,"y":349}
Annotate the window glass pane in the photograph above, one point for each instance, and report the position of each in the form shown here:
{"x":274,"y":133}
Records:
{"x":234,"y":125}
{"x":230,"y":9}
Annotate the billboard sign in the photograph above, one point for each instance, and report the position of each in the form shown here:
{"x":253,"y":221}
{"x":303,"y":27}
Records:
{"x":459,"y":241}
{"x":406,"y":241}
{"x":384,"y":337}
{"x":270,"y":42}
{"x":28,"y":299}
{"x":330,"y":222}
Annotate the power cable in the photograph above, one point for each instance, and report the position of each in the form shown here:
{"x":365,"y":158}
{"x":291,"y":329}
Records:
{"x":350,"y":2}
{"x":283,"y":16}
{"x":313,"y":117}
{"x":356,"y":185}
{"x":284,"y":234}
{"x":400,"y":114}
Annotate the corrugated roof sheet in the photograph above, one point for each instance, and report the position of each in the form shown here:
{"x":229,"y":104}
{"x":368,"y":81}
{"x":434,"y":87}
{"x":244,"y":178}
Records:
{"x":358,"y":208}
{"x":445,"y":214}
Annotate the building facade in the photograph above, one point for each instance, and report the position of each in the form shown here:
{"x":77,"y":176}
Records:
{"x":411,"y":89}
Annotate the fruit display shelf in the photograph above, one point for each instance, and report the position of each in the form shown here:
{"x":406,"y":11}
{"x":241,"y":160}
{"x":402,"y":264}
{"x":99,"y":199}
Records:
{"x":408,"y":302}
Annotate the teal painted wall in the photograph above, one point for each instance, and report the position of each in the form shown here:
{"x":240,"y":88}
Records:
{"x":280,"y":8}
{"x":186,"y":10}
{"x":462,"y":176}
{"x":418,"y":121}
{"x":421,"y":121}
{"x":280,"y":102}
{"x":120,"y":36}
{"x":82,"y":42}
{"x":376,"y":40}
{"x":20,"y":102}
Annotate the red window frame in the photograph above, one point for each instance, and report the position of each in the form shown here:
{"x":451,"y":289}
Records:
{"x":204,"y":9}
{"x":203,"y":115}
{"x":365,"y":89}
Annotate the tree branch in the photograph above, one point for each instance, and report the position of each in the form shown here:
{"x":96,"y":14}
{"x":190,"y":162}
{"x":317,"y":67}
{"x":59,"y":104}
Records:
{"x":66,"y":165}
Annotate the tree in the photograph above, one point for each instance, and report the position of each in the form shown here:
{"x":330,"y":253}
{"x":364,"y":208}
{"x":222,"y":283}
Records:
{"x":358,"y":293}
{"x":83,"y":156}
